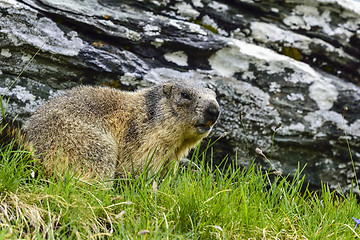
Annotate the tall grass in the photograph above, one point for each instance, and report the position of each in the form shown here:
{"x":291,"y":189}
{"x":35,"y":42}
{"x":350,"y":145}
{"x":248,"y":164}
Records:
{"x":191,"y":203}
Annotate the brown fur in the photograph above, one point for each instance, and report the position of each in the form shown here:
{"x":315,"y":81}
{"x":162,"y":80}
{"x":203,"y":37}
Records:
{"x":105,"y":132}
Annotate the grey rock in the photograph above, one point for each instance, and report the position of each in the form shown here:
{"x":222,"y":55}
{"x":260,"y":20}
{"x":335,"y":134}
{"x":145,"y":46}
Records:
{"x":296,"y":63}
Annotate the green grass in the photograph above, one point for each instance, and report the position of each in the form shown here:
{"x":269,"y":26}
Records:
{"x":192,"y":203}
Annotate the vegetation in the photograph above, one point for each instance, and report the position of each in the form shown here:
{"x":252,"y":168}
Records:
{"x":196,"y":202}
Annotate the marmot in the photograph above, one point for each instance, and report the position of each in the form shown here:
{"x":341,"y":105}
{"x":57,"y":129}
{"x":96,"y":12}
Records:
{"x":106,"y":131}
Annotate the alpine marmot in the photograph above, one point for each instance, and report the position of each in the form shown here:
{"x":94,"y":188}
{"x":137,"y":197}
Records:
{"x":105,"y":132}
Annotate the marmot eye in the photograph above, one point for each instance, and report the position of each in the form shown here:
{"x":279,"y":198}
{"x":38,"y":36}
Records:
{"x":185,"y":95}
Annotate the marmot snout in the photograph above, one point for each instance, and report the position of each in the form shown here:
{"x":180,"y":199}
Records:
{"x":104,"y":132}
{"x":211,"y":115}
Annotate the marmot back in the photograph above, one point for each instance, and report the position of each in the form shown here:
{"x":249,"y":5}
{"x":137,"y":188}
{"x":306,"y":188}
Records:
{"x":102,"y":131}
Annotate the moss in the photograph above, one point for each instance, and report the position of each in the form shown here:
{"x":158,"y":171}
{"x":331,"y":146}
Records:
{"x":113,"y":84}
{"x":291,"y":52}
{"x":208,"y":27}
{"x":327,"y":68}
{"x":98,"y":44}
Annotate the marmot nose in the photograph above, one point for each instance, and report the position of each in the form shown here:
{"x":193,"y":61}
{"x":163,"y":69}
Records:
{"x":212,"y":113}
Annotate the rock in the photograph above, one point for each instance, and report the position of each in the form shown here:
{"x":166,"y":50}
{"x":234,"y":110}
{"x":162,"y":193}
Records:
{"x":296,"y":63}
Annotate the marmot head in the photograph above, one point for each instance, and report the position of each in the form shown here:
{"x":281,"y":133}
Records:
{"x":194,"y":106}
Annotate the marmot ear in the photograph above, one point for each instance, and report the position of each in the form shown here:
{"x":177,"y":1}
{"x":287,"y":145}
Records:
{"x":167,"y":88}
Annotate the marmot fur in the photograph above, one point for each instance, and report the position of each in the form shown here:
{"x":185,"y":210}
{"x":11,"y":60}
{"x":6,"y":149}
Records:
{"x":106,"y":132}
